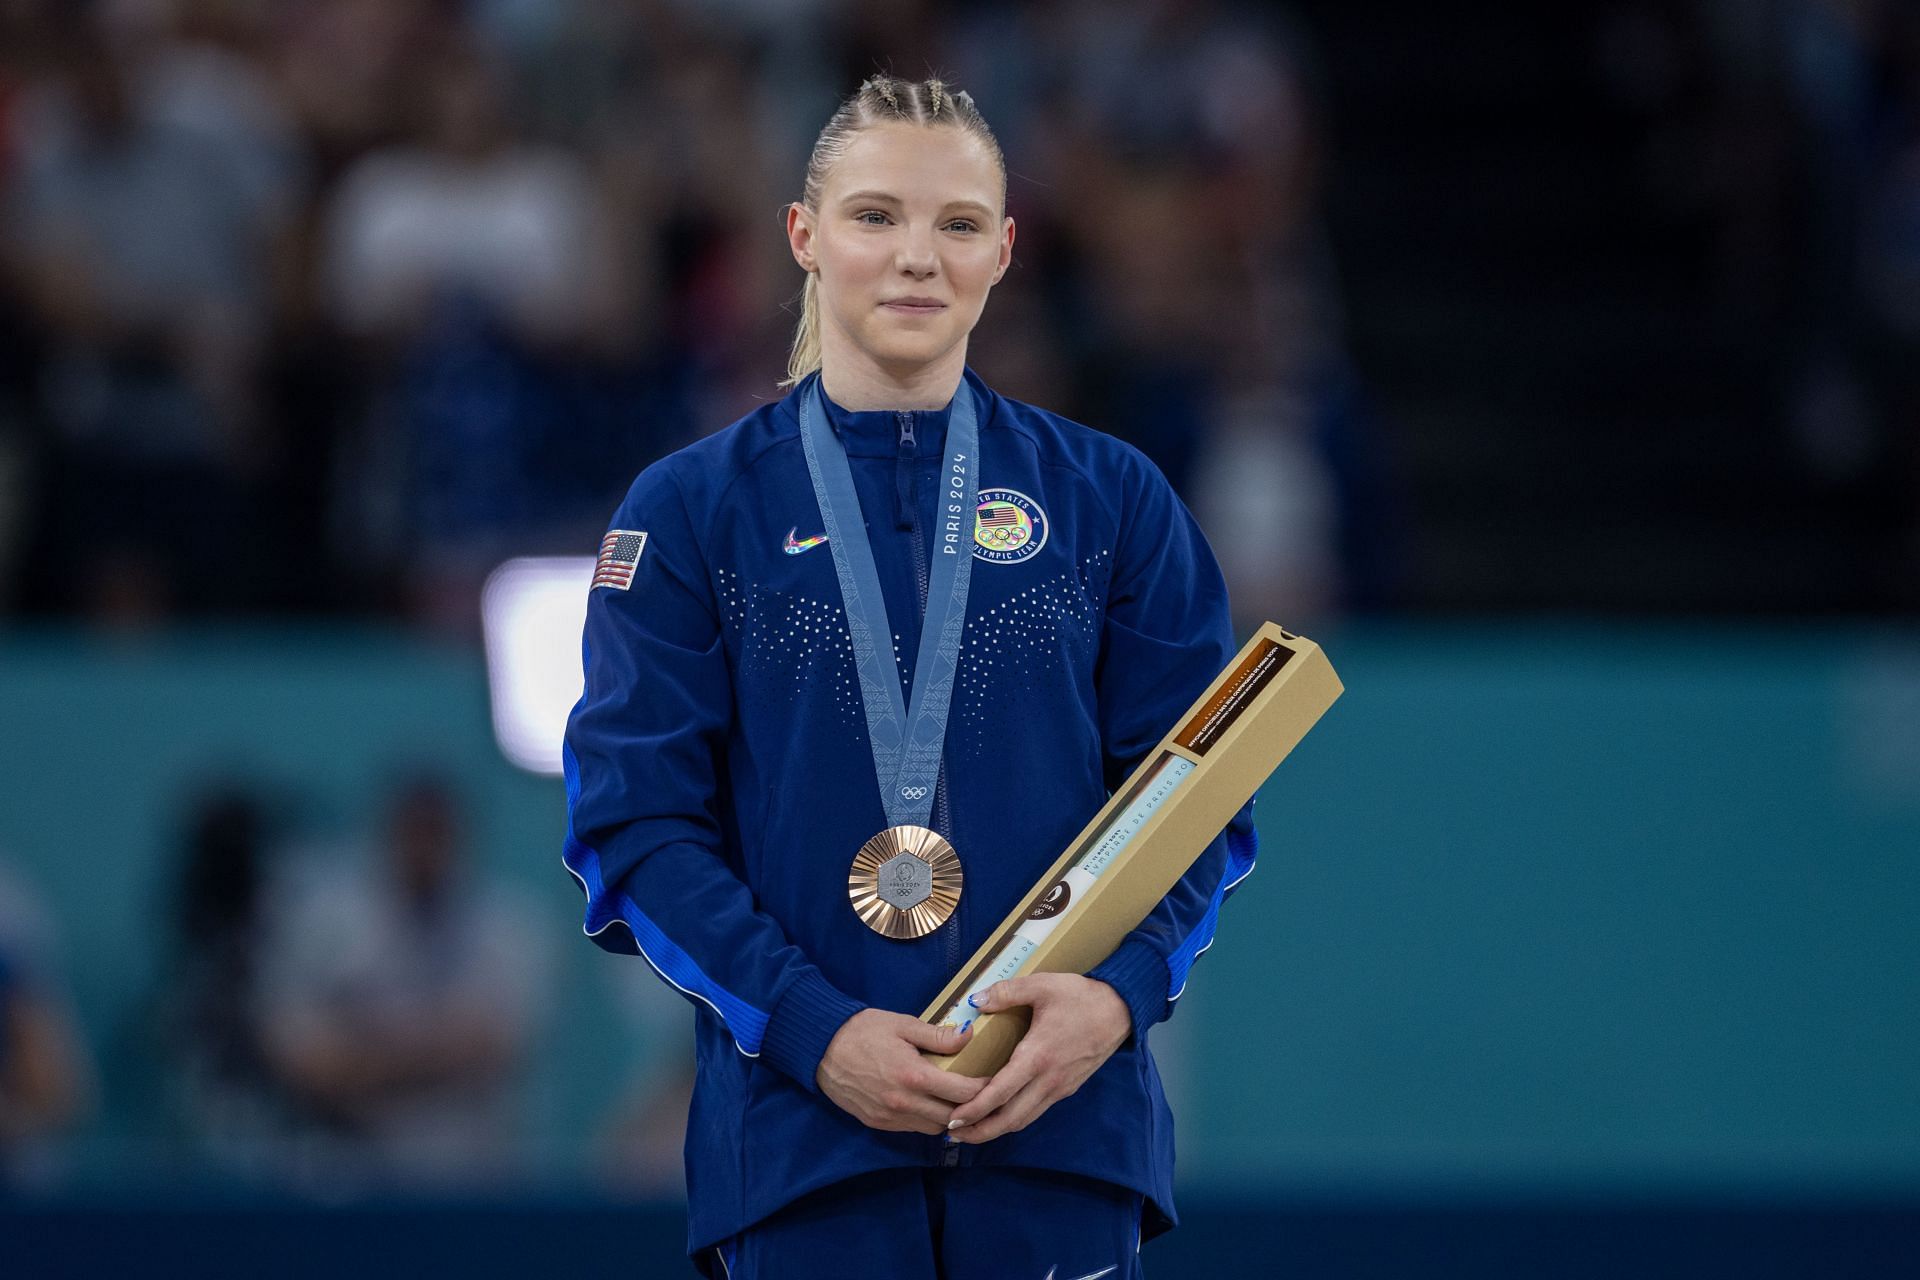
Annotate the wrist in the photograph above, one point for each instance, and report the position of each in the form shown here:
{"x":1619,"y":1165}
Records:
{"x":1117,"y":1018}
{"x":803,"y":1023}
{"x":1138,"y":975}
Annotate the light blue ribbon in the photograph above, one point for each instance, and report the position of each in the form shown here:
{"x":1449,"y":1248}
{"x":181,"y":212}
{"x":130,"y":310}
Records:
{"x":907,"y":741}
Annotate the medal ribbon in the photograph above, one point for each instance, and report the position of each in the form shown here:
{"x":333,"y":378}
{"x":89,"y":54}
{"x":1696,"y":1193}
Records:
{"x":907,"y":741}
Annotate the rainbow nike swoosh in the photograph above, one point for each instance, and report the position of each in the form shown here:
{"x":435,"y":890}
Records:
{"x":795,"y":548}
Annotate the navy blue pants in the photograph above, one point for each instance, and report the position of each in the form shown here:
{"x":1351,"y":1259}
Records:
{"x":964,"y":1223}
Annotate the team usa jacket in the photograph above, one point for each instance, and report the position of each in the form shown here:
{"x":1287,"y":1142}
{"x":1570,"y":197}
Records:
{"x":719,"y":779}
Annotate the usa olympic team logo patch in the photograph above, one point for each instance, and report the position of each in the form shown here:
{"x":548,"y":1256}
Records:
{"x":1008,"y":527}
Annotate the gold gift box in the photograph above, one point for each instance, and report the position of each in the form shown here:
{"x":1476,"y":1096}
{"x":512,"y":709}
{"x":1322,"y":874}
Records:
{"x":1175,"y":803}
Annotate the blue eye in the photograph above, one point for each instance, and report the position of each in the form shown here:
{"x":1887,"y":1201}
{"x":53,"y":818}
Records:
{"x":875,"y":213}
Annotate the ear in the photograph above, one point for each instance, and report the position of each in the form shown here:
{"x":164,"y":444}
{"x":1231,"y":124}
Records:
{"x":800,"y":235}
{"x":1006,"y":249}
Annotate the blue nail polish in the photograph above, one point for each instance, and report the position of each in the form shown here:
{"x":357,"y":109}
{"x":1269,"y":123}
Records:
{"x":974,"y":999}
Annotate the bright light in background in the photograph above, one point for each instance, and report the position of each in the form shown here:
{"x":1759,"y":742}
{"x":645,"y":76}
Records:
{"x":532,"y":611}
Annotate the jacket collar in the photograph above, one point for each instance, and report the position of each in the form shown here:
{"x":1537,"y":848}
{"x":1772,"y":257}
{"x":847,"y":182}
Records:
{"x":875,"y":433}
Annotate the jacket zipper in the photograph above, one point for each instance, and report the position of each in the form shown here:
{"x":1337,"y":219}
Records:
{"x":905,"y":508}
{"x":906,"y":492}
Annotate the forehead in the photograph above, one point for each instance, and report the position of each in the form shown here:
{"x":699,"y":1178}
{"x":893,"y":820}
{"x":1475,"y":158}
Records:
{"x":918,"y":164}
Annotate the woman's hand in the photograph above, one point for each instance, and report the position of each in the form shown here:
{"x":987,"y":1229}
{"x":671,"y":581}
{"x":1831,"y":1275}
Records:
{"x":874,"y":1070}
{"x":1077,"y":1024}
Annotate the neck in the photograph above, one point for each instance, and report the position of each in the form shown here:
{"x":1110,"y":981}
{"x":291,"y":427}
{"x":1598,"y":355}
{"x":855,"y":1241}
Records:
{"x":861,"y":383}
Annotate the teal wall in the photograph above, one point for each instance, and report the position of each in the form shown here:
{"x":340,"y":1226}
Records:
{"x":1538,"y":906}
{"x":1612,"y":908}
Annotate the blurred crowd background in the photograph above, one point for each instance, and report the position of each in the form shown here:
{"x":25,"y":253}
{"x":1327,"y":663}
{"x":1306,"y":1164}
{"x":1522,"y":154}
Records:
{"x":384,"y":290}
{"x":314,"y":311}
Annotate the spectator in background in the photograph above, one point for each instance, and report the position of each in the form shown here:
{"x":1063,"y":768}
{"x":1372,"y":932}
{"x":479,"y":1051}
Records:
{"x":469,"y":266}
{"x":223,"y":1097}
{"x":396,"y":1003}
{"x":204,"y":73}
{"x":143,"y":241}
{"x":46,"y":1078}
{"x":40,"y":1089}
{"x":466,"y":212}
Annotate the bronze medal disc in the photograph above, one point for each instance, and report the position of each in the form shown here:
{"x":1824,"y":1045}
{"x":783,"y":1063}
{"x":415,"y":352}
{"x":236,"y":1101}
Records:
{"x":905,"y":882}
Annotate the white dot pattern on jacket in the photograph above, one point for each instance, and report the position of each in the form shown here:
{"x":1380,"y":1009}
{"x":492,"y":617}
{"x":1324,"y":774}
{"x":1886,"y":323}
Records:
{"x":796,"y":648}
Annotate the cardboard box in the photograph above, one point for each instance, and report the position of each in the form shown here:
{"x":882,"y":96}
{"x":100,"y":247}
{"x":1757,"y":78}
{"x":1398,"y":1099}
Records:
{"x":1123,"y":862}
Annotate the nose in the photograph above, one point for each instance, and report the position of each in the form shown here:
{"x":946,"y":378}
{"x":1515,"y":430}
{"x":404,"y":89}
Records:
{"x":917,"y":256}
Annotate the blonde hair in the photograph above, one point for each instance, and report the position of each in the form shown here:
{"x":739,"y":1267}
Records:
{"x":881,"y":99}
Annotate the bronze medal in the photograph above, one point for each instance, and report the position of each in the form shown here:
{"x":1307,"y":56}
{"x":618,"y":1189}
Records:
{"x":905,"y":882}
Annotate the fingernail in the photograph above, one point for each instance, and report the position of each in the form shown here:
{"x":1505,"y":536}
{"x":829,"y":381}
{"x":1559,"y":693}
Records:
{"x":953,"y":1124}
{"x":978,"y":996}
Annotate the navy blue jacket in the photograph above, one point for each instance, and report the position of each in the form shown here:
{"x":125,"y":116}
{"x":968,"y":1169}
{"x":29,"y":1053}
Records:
{"x":719,"y":779}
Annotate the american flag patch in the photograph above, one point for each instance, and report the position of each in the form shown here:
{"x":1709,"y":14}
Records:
{"x":619,"y":556}
{"x":1000,"y":515}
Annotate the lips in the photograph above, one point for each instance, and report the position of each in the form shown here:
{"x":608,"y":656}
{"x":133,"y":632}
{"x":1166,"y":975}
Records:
{"x":915,"y":306}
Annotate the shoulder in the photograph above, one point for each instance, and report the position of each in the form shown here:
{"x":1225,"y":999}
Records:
{"x":697,"y":476}
{"x":1066,"y":442}
{"x":1120,"y":478}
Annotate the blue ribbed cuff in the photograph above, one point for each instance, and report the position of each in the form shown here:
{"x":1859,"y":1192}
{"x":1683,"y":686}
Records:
{"x":803,"y":1023}
{"x":1139,"y":974}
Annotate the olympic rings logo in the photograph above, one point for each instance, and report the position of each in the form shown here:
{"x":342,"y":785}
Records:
{"x":1008,"y":526}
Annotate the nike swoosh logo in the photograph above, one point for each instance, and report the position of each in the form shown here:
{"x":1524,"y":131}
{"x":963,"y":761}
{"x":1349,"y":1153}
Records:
{"x":795,"y":548}
{"x":1091,"y":1275}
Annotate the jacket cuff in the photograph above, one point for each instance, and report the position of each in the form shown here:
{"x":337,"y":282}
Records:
{"x":803,"y":1023}
{"x":1139,"y":974}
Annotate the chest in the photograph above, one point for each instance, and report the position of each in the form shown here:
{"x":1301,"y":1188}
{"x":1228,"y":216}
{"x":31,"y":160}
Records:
{"x":1041,"y":559}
